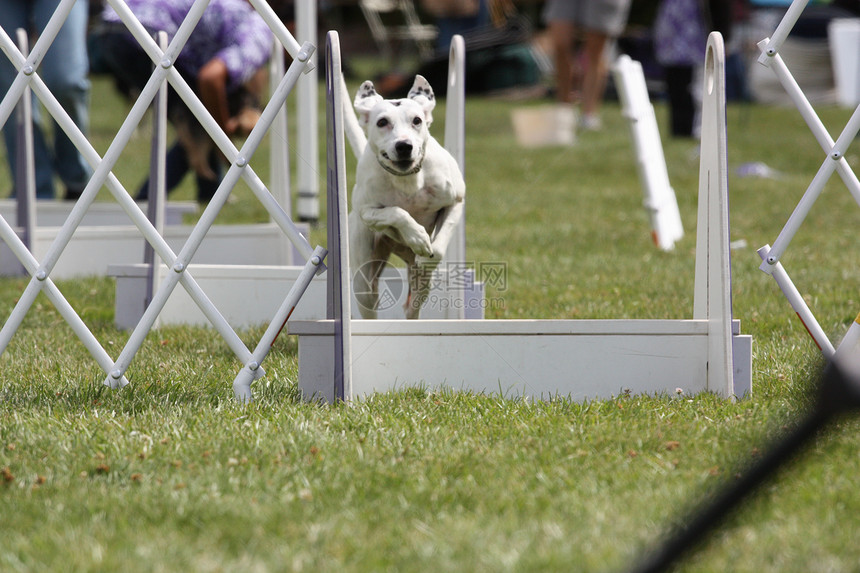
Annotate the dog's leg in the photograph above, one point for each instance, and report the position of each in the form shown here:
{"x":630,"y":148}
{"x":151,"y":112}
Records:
{"x":420,"y":277}
{"x":368,"y":254}
{"x":421,"y":270}
{"x":446,"y":224}
{"x":413,"y":235}
{"x":365,"y":281}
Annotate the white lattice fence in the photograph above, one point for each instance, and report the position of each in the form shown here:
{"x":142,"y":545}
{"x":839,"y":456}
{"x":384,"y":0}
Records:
{"x":834,"y":162}
{"x":178,"y":262}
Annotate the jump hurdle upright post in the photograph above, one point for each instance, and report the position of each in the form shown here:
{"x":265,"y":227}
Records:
{"x":712,"y":297}
{"x":279,"y":148}
{"x":25,"y":182}
{"x":307,"y":170}
{"x":338,"y":289}
{"x":25,"y":163}
{"x":157,"y":193}
{"x":455,"y":144}
{"x":660,"y":200}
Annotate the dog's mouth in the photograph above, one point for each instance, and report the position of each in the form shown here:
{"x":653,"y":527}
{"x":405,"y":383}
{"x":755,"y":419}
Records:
{"x":401,"y":166}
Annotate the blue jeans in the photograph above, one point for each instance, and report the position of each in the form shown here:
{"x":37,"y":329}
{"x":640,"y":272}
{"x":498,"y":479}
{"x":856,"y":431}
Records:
{"x":64,"y":70}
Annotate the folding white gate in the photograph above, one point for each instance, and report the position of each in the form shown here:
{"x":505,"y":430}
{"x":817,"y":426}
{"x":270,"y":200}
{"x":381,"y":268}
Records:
{"x":164,"y":71}
{"x":834,"y":162}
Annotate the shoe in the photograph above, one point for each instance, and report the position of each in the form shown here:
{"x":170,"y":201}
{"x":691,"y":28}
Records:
{"x":73,"y":193}
{"x":565,"y":125}
{"x":590,"y":122}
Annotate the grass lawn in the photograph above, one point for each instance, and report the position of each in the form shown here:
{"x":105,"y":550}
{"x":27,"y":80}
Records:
{"x":170,"y":474}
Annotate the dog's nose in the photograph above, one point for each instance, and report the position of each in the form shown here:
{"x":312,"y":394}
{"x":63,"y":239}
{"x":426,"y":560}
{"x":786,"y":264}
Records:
{"x":403,"y":149}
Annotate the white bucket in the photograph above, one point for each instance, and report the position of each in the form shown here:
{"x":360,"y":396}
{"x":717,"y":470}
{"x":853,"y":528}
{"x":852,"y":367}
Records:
{"x":844,"y":37}
{"x":545,"y":125}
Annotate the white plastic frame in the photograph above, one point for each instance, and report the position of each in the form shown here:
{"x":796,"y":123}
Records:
{"x":40,"y":271}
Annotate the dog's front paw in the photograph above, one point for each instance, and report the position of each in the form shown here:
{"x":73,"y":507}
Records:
{"x":428,"y":262}
{"x":438,"y":252}
{"x":433,"y":258}
{"x":420,"y":244}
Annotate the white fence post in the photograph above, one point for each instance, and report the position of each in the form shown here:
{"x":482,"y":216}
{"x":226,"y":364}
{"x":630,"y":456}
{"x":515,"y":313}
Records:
{"x":25,"y":183}
{"x":157,"y":194}
{"x":307,"y":169}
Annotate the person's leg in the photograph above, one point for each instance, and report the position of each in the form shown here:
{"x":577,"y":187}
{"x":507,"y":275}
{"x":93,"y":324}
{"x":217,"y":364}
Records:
{"x":176,"y":167}
{"x":682,"y":107}
{"x":16,"y":14}
{"x":562,"y":36}
{"x":65,"y":69}
{"x":594,"y":80}
{"x":206,"y":188}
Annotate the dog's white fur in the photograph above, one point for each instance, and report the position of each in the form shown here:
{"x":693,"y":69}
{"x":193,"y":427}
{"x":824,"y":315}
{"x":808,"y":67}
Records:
{"x":408,"y":195}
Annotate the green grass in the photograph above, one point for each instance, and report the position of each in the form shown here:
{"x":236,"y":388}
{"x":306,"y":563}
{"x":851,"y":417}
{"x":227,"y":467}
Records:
{"x":170,"y":474}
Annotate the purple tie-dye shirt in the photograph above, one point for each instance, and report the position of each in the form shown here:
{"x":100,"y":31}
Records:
{"x":679,"y":33}
{"x":229,"y":29}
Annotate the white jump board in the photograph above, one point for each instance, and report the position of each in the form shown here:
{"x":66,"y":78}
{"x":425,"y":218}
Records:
{"x":93,"y":249}
{"x":579,"y":359}
{"x":248,"y":295}
{"x":54,"y":213}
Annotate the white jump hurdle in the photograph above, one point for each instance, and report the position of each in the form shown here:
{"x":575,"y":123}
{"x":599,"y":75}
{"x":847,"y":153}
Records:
{"x":660,"y":200}
{"x":247,"y":292}
{"x":547,"y":358}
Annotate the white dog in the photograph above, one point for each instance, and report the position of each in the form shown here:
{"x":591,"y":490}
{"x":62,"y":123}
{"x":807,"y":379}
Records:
{"x":408,"y":195}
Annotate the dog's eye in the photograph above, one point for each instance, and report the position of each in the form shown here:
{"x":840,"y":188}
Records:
{"x":382,"y":122}
{"x":416,"y":121}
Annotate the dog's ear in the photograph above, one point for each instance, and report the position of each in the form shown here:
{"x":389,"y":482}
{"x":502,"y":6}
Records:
{"x":422,"y":93}
{"x":365,"y":100}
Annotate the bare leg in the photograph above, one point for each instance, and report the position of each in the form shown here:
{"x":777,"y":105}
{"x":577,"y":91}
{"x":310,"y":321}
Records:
{"x":594,"y":82}
{"x":561,"y":35}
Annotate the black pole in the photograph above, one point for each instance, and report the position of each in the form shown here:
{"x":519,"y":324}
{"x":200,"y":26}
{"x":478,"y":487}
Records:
{"x":839,"y":391}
